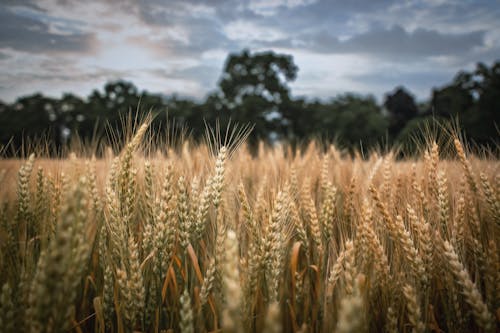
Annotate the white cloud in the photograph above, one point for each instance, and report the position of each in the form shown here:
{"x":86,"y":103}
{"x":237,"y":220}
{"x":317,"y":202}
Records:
{"x":325,"y":76}
{"x":271,"y":7}
{"x":247,"y":31}
{"x":338,"y":45}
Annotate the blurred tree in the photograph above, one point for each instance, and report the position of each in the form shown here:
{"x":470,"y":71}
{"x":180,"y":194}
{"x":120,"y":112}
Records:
{"x":118,"y":98}
{"x":451,"y":100}
{"x":473,"y":98}
{"x":352,"y":120}
{"x":28,"y":117}
{"x":485,"y":121}
{"x":401,"y":107}
{"x":416,"y":134}
{"x":298,"y":120}
{"x":253,"y":89}
{"x":178,"y":114}
{"x":36,"y":116}
{"x":69,"y":115}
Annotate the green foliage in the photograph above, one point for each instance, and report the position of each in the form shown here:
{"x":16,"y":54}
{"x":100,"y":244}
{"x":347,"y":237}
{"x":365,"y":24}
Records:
{"x":473,"y":98}
{"x":253,"y":89}
{"x":260,"y":74}
{"x":402,"y":108}
{"x":417,"y":132}
{"x":354,"y":121}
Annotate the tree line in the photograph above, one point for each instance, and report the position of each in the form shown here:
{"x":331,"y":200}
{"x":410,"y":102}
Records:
{"x":253,"y":88}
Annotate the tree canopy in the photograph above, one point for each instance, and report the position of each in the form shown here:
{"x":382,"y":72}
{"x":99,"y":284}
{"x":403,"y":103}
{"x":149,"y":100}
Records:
{"x":401,"y":107}
{"x":473,"y":97}
{"x":253,"y":88}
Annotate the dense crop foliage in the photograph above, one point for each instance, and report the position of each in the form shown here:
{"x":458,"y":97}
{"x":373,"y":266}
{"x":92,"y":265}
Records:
{"x":200,"y":239}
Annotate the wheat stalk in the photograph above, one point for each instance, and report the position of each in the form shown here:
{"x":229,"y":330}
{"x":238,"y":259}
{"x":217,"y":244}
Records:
{"x":472,"y":295}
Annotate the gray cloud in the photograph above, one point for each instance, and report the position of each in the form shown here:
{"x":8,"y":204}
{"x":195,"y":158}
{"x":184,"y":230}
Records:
{"x":198,"y":20}
{"x":204,"y":74}
{"x":421,"y":42}
{"x":418,"y":80}
{"x":394,"y":43}
{"x":159,"y":12}
{"x":102,"y":74}
{"x":24,"y":3}
{"x":172,"y":39}
{"x":28,"y":34}
{"x":203,"y":36}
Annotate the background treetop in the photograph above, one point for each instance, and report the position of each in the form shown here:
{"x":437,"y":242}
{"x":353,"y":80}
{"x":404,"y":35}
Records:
{"x":253,"y":88}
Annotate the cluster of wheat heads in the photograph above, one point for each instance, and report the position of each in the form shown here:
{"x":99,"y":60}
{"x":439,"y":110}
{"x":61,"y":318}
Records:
{"x":191,"y":241}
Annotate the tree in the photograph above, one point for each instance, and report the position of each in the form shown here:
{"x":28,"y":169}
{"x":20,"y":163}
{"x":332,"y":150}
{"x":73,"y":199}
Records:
{"x":452,"y":100}
{"x":352,"y":120}
{"x":417,"y":133}
{"x":401,"y":107}
{"x":27,"y":117}
{"x":119,"y":100}
{"x":473,"y":98}
{"x":253,"y":89}
{"x":298,"y":120}
{"x":485,"y":120}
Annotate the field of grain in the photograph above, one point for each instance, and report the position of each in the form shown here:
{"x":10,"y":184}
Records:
{"x":214,"y":239}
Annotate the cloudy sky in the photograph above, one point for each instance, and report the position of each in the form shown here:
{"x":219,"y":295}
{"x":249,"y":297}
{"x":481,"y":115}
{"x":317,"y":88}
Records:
{"x":364,"y":46}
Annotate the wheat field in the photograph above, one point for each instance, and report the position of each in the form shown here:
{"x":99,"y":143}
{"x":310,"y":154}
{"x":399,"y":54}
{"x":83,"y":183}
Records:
{"x":210,"y":238}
